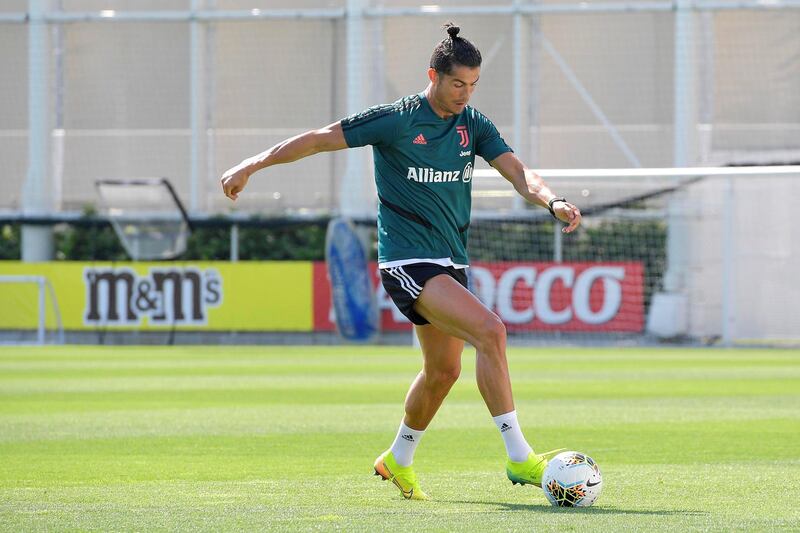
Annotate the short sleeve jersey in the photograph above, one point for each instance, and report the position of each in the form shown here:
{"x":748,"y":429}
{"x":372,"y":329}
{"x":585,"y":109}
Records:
{"x":423,"y":173}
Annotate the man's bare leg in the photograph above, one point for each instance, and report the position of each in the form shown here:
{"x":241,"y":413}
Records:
{"x":457,"y":312}
{"x":441,"y":367}
{"x":454,"y":310}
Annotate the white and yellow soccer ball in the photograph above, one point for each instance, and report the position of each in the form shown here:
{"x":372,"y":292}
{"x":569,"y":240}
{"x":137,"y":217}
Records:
{"x":572,"y":479}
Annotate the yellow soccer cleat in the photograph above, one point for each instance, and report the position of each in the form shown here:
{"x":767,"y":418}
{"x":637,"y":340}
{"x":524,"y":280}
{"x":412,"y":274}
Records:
{"x":530,"y":472}
{"x":402,"y":476}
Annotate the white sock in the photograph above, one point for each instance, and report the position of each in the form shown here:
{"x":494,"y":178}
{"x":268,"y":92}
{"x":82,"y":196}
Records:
{"x":516,"y":445}
{"x":405,"y":443}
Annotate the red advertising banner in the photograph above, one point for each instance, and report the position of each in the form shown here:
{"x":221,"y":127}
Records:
{"x":528,"y":296}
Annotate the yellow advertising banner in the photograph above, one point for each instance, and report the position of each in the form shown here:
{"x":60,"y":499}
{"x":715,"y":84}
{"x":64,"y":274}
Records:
{"x":222,"y":296}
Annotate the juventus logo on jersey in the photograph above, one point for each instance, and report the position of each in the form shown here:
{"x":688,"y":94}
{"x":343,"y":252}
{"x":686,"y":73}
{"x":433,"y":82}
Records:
{"x":463,"y":135}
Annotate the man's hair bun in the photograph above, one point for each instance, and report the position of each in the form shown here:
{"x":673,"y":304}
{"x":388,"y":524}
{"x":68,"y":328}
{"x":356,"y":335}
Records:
{"x":452,"y":30}
{"x":454,"y":50}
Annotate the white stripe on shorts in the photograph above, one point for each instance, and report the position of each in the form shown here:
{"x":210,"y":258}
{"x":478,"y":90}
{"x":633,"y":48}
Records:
{"x":411,"y":281}
{"x":403,"y":283}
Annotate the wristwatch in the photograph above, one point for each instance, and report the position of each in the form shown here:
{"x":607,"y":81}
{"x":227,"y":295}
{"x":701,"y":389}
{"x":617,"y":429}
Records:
{"x":550,"y":205}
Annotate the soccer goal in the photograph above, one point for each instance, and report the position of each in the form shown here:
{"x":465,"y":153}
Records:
{"x":147,"y":216}
{"x":31,"y":311}
{"x":692,"y":253}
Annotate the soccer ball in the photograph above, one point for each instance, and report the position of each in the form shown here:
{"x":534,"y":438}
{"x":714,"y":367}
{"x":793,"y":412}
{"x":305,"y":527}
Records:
{"x":572,"y":479}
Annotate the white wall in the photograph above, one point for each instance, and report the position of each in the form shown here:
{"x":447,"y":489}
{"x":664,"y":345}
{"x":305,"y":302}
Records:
{"x":766,"y":257}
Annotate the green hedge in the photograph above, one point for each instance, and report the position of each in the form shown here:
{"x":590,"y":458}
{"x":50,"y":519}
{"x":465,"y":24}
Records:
{"x":98,"y":242}
{"x":9,"y":242}
{"x":520,"y":240}
{"x":305,"y":241}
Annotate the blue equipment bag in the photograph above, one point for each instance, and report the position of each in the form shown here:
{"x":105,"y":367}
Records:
{"x":351,"y":288}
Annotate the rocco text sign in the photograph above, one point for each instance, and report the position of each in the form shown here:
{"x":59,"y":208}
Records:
{"x":602,"y":297}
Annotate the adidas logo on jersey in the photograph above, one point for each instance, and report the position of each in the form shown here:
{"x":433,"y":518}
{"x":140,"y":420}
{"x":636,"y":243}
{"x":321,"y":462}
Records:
{"x":420,"y":139}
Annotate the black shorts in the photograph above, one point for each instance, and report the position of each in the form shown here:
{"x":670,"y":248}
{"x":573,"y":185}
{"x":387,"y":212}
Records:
{"x":403,"y":284}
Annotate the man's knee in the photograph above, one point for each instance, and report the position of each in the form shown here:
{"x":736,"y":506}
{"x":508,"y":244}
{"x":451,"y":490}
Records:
{"x":443,"y":378}
{"x":492,"y":334}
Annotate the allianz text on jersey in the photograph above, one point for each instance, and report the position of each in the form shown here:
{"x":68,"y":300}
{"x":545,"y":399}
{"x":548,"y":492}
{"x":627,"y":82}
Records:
{"x":431,"y":175}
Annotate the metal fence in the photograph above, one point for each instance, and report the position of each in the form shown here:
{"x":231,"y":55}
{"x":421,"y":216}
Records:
{"x":186,"y":88}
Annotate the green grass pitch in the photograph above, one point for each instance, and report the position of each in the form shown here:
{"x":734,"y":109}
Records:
{"x":283,"y":439}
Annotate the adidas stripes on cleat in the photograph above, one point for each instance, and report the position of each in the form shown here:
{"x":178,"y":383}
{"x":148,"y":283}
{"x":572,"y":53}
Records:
{"x":529,"y":472}
{"x":402,"y":476}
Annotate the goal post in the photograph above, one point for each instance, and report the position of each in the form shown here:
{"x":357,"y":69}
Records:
{"x":45,"y":327}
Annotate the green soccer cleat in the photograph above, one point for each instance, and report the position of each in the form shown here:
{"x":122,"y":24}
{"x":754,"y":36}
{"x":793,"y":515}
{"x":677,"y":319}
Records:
{"x":402,"y":476}
{"x":530,"y":472}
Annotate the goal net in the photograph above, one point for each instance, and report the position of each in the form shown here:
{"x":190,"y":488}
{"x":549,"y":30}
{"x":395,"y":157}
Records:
{"x":662,"y":253}
{"x":147,"y":216}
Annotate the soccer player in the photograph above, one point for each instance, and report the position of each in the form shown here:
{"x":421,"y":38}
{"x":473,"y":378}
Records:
{"x":424,"y":146}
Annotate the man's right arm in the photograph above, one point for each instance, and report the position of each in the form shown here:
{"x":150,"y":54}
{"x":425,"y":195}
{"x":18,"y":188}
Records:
{"x":312,"y":142}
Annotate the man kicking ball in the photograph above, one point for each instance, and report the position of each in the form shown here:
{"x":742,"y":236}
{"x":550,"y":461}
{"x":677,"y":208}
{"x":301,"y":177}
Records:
{"x":424,"y":147}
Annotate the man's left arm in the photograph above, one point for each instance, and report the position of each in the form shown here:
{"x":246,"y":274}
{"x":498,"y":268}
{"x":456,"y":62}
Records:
{"x":532,"y":187}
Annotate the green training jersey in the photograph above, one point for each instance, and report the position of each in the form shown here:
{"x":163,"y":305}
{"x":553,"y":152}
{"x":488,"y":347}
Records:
{"x":423,"y":173}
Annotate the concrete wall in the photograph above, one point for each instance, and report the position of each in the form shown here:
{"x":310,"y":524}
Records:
{"x":765,"y":251}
